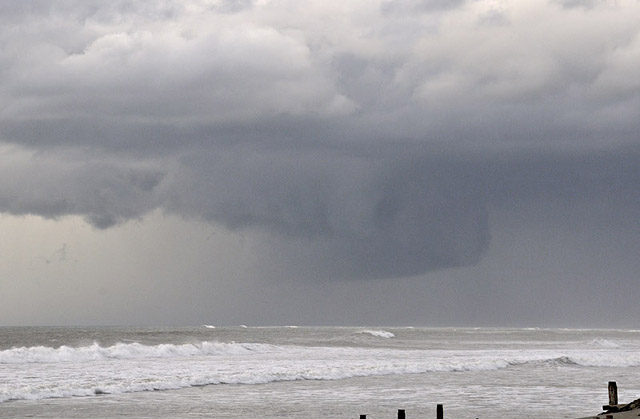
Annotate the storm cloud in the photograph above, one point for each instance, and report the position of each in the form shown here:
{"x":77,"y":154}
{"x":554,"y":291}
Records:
{"x":380,"y":136}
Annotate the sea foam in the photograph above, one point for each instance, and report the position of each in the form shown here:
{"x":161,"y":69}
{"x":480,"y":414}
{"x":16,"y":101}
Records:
{"x":95,"y":352}
{"x":605,"y":343}
{"x":43,"y":372}
{"x":379,"y":333}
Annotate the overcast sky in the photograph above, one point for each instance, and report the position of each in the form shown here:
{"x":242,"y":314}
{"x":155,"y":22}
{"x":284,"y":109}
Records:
{"x":361,"y":162}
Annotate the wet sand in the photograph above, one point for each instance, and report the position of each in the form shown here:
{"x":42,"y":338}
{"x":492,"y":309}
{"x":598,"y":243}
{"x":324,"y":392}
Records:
{"x":620,"y":415}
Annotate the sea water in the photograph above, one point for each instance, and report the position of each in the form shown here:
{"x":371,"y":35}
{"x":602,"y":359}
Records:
{"x":313,"y":372}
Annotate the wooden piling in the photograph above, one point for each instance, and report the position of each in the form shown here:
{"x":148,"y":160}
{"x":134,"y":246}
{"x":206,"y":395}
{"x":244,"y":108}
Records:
{"x":401,"y":414}
{"x":613,"y":393}
{"x":439,"y":412}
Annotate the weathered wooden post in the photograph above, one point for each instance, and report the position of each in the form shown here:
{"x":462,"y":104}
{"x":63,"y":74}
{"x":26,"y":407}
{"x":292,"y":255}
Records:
{"x":439,"y":412}
{"x":401,"y":414}
{"x":613,"y":393}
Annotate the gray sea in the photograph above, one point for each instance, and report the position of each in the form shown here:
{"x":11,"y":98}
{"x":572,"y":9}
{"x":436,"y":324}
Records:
{"x":313,"y":372}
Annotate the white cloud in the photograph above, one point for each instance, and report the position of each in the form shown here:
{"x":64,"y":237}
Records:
{"x":217,"y":63}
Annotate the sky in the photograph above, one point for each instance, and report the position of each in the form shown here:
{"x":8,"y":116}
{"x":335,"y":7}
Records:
{"x":320,"y":162}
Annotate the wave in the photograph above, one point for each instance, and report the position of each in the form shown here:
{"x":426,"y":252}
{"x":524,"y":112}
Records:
{"x":587,"y":359}
{"x":122,"y":369}
{"x":378,"y":333}
{"x":136,"y":351}
{"x":44,"y":372}
{"x":604,"y":343}
{"x":559,"y":361}
{"x":563,"y":360}
{"x":95,"y":352}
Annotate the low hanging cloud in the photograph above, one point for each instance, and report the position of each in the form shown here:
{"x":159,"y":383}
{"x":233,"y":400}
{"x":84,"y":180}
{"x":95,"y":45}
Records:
{"x":378,"y":135}
{"x":369,"y":219}
{"x":104,"y":192}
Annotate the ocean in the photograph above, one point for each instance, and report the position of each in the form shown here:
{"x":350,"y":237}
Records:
{"x":313,"y":372}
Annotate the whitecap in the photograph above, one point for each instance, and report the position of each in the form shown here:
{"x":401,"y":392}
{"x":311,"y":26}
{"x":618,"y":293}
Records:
{"x":604,"y":343}
{"x":379,"y":333}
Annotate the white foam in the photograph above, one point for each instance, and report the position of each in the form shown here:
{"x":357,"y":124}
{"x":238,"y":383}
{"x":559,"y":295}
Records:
{"x":95,"y":352}
{"x":43,"y":372}
{"x":36,"y":373}
{"x":379,"y":333}
{"x":605,"y":343}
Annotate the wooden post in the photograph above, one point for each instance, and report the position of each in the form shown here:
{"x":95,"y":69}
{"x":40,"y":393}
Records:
{"x":613,"y":393}
{"x":439,"y":412}
{"x":401,"y":414}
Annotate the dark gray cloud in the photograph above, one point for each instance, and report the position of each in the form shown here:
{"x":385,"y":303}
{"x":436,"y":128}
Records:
{"x":375,"y":137}
{"x":374,"y":217}
{"x":104,"y":191}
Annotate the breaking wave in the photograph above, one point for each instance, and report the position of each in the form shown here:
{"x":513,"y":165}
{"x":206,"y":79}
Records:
{"x":559,"y":361}
{"x":95,"y":352}
{"x":133,"y":367}
{"x":378,"y":333}
{"x":604,"y":343}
